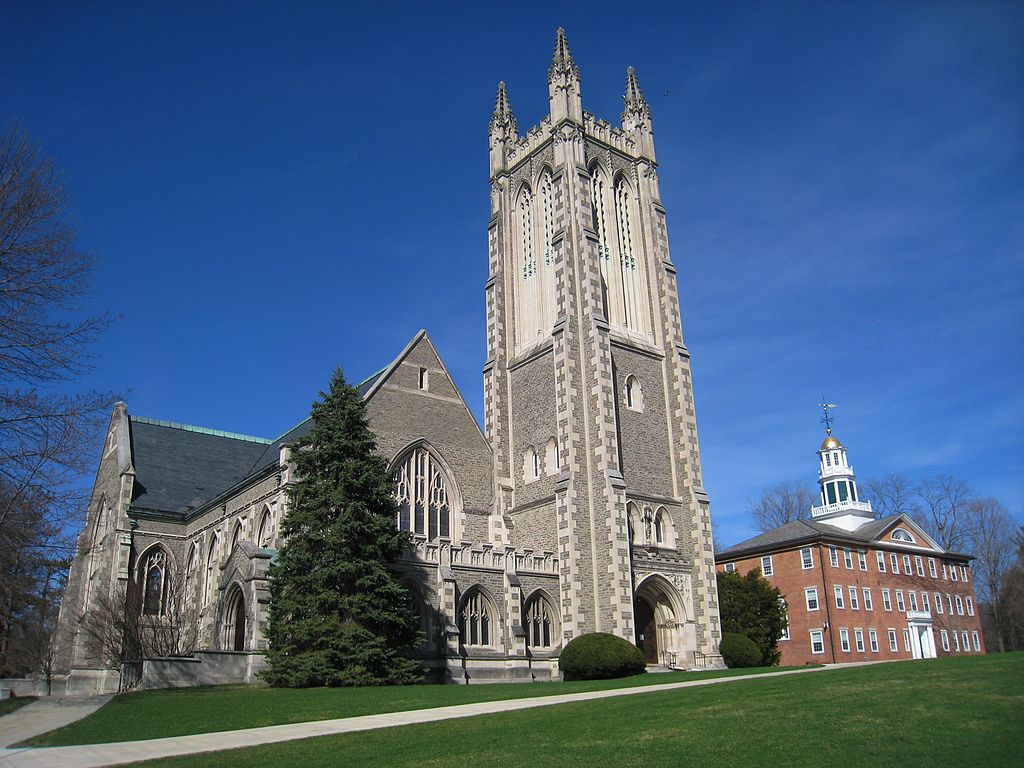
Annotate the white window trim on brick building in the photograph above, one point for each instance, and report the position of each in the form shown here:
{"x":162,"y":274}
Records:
{"x":844,"y":640}
{"x":811,"y":596}
{"x":767,"y":568}
{"x":887,"y":599}
{"x":840,"y":600}
{"x":817,"y":642}
{"x":806,"y":558}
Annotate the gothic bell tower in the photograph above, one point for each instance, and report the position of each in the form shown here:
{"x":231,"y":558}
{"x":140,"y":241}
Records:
{"x":587,"y":390}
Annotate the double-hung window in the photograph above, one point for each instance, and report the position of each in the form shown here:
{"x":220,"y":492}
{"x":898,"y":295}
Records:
{"x":913,"y":600}
{"x":839,"y":598}
{"x":893,"y":644}
{"x":806,"y":558}
{"x":965,"y":644}
{"x":924,"y":602}
{"x":900,"y":605}
{"x":868,"y":604}
{"x":873,"y":640}
{"x":848,"y":559}
{"x":886,"y":599}
{"x":932,"y":569}
{"x":766,"y":565}
{"x":817,"y":642}
{"x":952,"y":572}
{"x":844,"y":640}
{"x":938,"y":603}
{"x":906,"y":565}
{"x":811,"y":598}
{"x":959,"y":606}
{"x":859,"y":636}
{"x":833,"y":557}
{"x":894,"y":561}
{"x":862,"y":560}
{"x":944,"y":637}
{"x":919,"y":564}
{"x":880,"y":557}
{"x":970,"y":607}
{"x":854,"y":605}
{"x":977,"y":642}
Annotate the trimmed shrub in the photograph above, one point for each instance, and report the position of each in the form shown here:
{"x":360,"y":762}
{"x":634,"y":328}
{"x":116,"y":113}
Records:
{"x":600,"y":656}
{"x":739,"y":651}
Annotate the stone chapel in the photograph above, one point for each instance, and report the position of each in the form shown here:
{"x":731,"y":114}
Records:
{"x":579,"y":507}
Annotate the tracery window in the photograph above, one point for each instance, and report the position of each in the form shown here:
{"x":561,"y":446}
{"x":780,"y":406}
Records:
{"x":604,"y":251}
{"x":476,"y":620}
{"x":631,"y":276}
{"x":540,"y":623}
{"x":155,"y":578}
{"x":424,"y":507}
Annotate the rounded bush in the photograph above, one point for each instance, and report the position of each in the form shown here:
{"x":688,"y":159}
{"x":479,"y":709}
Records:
{"x":600,"y":656}
{"x":739,"y":651}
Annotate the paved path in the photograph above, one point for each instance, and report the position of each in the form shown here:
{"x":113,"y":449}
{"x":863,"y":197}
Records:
{"x":44,"y":715}
{"x":94,"y":755}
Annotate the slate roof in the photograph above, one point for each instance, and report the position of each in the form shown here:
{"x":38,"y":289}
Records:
{"x":179,"y":467}
{"x":808,"y":530}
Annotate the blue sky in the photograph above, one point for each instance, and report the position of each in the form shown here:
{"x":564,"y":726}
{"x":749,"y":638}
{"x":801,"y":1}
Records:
{"x":272,"y":189}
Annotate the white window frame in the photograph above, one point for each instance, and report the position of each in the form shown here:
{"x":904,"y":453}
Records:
{"x":811,"y":594}
{"x":833,"y":557}
{"x":880,"y":557}
{"x":869,"y":604}
{"x":977,"y":641}
{"x":944,"y":638}
{"x":894,"y":643}
{"x":730,"y":567}
{"x":848,"y":559}
{"x":970,"y":606}
{"x":959,"y":606}
{"x":887,"y":599}
{"x":963,"y":573}
{"x":912,"y":597}
{"x":952,"y":572}
{"x":949,"y":603}
{"x":925,"y":603}
{"x":817,"y":639}
{"x":873,"y":640}
{"x":907,"y":568}
{"x":956,"y":640}
{"x":854,"y":600}
{"x":919,"y":565}
{"x":840,"y":600}
{"x":932,"y":569}
{"x":770,"y":565}
{"x":894,"y":561}
{"x":844,"y":640}
{"x":901,"y":604}
{"x":965,"y":643}
{"x":906,"y":641}
{"x":858,"y":636}
{"x":806,"y":558}
{"x":938,"y":603}
{"x":862,"y":560}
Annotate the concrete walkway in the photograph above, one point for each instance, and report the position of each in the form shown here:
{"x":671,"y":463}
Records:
{"x":46,"y":714}
{"x":94,"y":755}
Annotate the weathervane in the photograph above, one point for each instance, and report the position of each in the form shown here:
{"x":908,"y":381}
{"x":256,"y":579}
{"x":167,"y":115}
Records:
{"x":827,"y":418}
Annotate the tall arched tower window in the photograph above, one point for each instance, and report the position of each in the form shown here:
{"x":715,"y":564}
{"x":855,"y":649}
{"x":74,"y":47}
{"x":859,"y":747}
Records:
{"x":527,"y":290}
{"x":611,"y":288}
{"x":421,"y":489}
{"x":630,"y":269}
{"x":547,"y":262}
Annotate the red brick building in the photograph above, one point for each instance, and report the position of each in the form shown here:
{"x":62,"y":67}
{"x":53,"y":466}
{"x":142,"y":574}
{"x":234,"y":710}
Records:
{"x":860,"y":589}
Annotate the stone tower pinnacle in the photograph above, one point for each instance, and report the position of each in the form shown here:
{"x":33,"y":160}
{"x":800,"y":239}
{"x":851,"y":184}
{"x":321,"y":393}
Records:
{"x":636,"y":115}
{"x":564,"y":83}
{"x":502,"y":130}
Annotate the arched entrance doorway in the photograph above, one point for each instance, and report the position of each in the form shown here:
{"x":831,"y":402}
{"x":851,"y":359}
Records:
{"x":234,"y":624}
{"x":659,"y":616}
{"x":646,"y":630}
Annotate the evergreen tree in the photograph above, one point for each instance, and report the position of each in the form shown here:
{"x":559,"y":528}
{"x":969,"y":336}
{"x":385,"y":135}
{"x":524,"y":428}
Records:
{"x":338,"y":615}
{"x":749,"y":605}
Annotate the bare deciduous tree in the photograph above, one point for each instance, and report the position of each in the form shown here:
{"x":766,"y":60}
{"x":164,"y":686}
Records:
{"x":943,"y":511}
{"x":47,"y":435}
{"x":782,"y":504}
{"x":893,"y":494}
{"x":992,"y":544}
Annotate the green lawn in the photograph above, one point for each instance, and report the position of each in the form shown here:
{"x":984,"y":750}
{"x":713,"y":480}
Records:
{"x":153,"y":714}
{"x":10,"y":704}
{"x":960,"y":711}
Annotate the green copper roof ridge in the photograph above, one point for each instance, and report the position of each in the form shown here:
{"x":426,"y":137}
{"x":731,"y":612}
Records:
{"x":202,"y":430}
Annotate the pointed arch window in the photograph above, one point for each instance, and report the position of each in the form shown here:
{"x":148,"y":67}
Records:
{"x":634,"y":309}
{"x":191,"y":564}
{"x":421,"y":490}
{"x":476,"y":620}
{"x":236,"y":535}
{"x":265,"y":535}
{"x":551,"y":460}
{"x":210,"y":580}
{"x":531,"y":465}
{"x":155,"y":578}
{"x":634,"y":394}
{"x":540,"y":622}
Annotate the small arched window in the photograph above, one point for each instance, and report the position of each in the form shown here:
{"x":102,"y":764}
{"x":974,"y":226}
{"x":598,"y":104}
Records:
{"x":634,"y":394}
{"x":636,"y":531}
{"x":155,"y":578}
{"x":531,"y":465}
{"x":551,"y":461}
{"x":236,"y":535}
{"x":476,"y":620}
{"x":264,"y":537}
{"x":902,"y":535}
{"x":540,"y":622}
{"x":659,"y":528}
{"x":664,"y":534}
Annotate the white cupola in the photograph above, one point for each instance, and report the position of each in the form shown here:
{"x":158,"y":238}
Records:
{"x":840,"y":504}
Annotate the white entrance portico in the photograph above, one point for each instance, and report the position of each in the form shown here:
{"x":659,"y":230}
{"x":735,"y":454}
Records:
{"x":922,"y":640}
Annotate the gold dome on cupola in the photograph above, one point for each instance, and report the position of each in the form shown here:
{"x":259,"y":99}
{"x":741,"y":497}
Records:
{"x":830,"y":443}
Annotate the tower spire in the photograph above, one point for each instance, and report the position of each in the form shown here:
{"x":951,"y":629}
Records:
{"x":564,"y":83}
{"x":503,"y":121}
{"x":634,"y":104}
